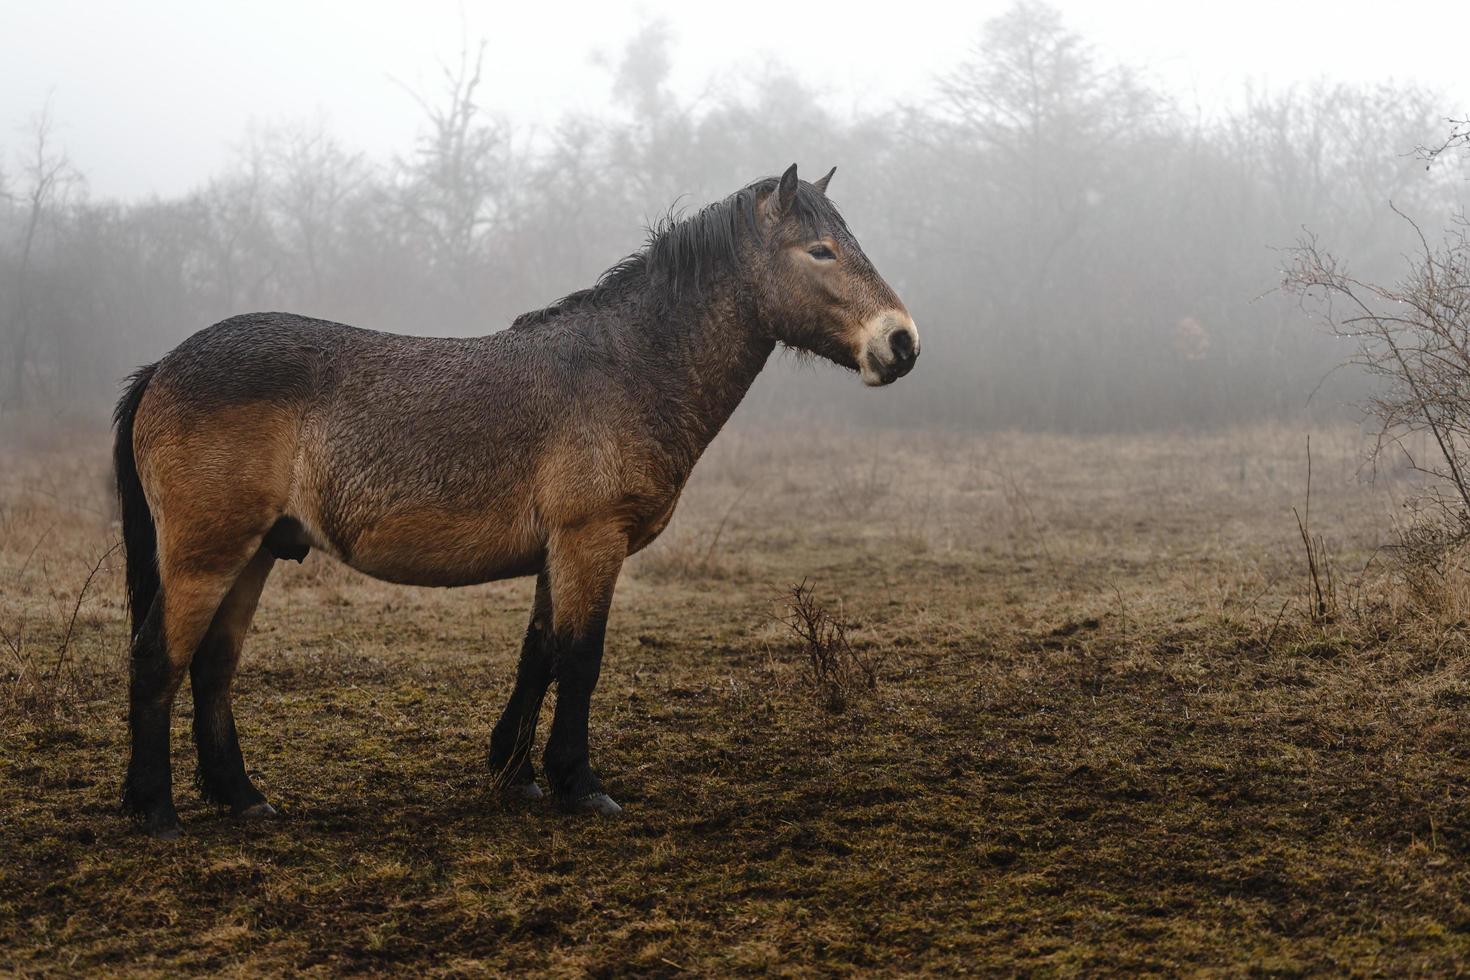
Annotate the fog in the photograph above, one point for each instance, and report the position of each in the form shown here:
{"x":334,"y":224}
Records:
{"x":1083,"y":208}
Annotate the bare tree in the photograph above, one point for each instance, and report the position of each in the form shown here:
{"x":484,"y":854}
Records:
{"x":454,"y":188}
{"x":311,"y":178}
{"x":48,"y":179}
{"x":239,"y":251}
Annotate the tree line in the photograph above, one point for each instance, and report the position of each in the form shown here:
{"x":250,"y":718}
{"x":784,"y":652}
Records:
{"x":1081,"y":248}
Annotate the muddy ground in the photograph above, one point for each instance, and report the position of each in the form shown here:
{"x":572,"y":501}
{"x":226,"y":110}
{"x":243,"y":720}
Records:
{"x":1104,"y":734}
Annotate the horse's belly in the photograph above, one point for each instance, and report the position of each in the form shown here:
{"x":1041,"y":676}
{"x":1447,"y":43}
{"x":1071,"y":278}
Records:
{"x":437,"y":547}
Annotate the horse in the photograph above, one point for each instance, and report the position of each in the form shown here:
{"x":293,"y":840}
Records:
{"x":556,"y":448}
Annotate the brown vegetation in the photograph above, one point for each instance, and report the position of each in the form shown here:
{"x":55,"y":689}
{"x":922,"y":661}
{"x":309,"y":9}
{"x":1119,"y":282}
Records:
{"x":1106,"y":733}
{"x":832,"y":666}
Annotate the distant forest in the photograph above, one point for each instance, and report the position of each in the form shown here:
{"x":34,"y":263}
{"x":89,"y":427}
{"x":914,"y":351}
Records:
{"x":1080,"y":249}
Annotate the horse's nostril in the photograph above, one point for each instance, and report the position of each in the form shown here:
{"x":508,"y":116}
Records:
{"x":901,"y":342}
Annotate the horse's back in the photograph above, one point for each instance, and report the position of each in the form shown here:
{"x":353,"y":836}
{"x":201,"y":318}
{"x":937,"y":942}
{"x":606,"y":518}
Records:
{"x":257,"y":357}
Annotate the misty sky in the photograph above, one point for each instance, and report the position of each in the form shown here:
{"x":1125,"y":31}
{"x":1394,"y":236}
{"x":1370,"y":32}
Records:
{"x":152,"y":96}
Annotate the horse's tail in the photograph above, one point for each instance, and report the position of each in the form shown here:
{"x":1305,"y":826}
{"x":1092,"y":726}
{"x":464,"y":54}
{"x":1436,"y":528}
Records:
{"x":140,"y":543}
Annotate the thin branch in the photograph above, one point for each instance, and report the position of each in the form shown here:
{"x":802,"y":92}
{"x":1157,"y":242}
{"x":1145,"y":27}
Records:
{"x":77,"y":608}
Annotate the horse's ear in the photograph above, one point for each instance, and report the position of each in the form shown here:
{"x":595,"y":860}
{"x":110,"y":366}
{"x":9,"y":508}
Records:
{"x":786,"y":191}
{"x":777,"y":204}
{"x":821,"y":183}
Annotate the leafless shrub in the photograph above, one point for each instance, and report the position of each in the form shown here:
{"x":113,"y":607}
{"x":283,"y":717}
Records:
{"x":1432,"y":555}
{"x":1415,"y":337}
{"x":835,"y":670}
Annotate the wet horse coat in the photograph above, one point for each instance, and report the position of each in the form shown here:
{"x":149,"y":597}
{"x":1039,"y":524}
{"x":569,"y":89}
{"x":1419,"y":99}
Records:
{"x":555,"y":448}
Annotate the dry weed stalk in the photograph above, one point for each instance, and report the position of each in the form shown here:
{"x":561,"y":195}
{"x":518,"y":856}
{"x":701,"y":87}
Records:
{"x":37,"y":691}
{"x":1322,"y":596}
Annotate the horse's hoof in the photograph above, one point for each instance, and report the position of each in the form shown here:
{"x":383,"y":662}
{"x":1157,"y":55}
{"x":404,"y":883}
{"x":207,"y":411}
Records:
{"x":598,"y":803}
{"x":257,"y":811}
{"x":528,"y":792}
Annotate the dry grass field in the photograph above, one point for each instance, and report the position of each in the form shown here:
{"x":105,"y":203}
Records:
{"x":1103,"y":733}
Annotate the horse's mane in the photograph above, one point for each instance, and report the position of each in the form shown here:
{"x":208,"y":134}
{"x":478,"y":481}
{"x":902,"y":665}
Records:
{"x":683,"y":254}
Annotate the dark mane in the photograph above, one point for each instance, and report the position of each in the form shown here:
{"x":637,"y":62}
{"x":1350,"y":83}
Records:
{"x":684,"y":254}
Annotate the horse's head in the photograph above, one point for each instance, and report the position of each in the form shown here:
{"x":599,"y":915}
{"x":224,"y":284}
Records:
{"x":818,"y":292}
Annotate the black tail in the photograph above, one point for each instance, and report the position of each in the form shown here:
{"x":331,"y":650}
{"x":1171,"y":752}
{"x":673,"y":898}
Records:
{"x":139,"y":541}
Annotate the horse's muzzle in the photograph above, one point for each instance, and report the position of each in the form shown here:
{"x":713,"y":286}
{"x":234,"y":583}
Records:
{"x":891,"y":354}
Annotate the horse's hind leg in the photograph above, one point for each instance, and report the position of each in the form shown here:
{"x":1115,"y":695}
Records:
{"x":189,"y":595}
{"x":515,"y":733}
{"x":147,"y":792}
{"x":221,"y":774}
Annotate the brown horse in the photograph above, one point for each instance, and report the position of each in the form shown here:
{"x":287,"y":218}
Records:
{"x":556,"y":448}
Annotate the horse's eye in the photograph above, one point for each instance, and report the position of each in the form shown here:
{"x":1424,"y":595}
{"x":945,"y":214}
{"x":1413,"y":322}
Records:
{"x":821,"y":252}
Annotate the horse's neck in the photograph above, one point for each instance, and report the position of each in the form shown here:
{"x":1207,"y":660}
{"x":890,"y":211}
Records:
{"x":712,"y":355}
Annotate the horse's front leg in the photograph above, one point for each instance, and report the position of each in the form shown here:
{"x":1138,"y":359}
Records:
{"x":582,"y":568}
{"x":515,"y":733}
